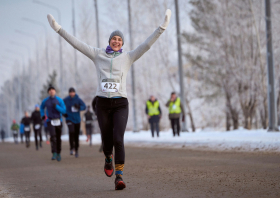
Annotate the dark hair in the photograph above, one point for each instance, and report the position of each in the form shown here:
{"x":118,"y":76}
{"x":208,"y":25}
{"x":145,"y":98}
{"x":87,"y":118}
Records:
{"x":172,"y":93}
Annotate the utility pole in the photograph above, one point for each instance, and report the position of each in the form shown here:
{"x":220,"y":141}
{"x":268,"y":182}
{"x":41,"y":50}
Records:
{"x":272,"y":108}
{"x":135,"y":128}
{"x":181,"y":73}
{"x":75,"y":52}
{"x":97,"y":23}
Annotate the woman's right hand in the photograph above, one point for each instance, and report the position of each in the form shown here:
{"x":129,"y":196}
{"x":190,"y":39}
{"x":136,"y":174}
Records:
{"x":166,"y":19}
{"x":53,"y":23}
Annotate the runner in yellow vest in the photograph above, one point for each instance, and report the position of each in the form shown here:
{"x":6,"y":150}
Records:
{"x":175,"y":110}
{"x":153,"y":112}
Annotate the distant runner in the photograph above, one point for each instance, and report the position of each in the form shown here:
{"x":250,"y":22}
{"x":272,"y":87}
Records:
{"x":15,"y":129}
{"x":37,"y":126}
{"x":89,"y":117}
{"x":54,"y":108}
{"x":74,"y":105}
{"x":26,"y":121}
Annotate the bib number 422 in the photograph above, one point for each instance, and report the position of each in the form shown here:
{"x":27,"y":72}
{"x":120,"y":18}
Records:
{"x":110,"y":86}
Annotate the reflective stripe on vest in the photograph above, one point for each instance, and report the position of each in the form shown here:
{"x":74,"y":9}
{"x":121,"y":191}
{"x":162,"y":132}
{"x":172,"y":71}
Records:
{"x":174,"y":107}
{"x":153,"y":108}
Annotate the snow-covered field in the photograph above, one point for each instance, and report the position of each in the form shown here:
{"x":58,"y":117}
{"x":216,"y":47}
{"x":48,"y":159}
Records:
{"x":238,"y":140}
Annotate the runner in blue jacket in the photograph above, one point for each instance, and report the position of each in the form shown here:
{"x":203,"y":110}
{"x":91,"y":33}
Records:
{"x":55,"y":107}
{"x":73,"y":119}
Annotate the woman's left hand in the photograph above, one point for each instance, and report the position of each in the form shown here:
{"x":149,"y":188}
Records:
{"x":166,"y":19}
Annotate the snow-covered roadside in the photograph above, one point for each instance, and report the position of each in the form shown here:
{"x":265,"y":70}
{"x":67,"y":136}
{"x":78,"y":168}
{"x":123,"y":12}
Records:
{"x":238,"y":140}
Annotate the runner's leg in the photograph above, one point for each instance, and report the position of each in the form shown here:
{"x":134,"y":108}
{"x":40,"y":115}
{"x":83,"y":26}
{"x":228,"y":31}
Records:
{"x":58,"y":130}
{"x":77,"y":135}
{"x":40,"y":135}
{"x":120,"y":118}
{"x":105,"y":121}
{"x":36,"y":139}
{"x":71,"y":129}
{"x":53,"y":137}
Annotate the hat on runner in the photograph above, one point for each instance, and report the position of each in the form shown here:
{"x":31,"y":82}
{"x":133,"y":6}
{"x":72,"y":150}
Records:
{"x":50,"y":87}
{"x":37,"y":106}
{"x":14,"y":121}
{"x":71,"y":89}
{"x":117,"y":33}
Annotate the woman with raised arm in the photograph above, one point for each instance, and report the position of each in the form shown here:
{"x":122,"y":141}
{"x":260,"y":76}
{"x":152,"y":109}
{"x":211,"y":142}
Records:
{"x":112,"y":66}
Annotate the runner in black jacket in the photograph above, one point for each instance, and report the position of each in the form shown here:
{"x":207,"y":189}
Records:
{"x":37,"y":125}
{"x":26,"y":121}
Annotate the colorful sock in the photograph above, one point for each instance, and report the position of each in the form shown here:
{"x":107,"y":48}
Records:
{"x":119,"y":169}
{"x":108,"y":159}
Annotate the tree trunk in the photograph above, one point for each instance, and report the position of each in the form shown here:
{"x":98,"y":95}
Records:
{"x":228,"y":124}
{"x":190,"y":114}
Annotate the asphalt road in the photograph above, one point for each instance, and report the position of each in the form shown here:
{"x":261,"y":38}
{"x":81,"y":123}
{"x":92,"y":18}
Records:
{"x":148,"y":172}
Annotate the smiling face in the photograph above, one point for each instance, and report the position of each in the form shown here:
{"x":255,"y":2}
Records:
{"x":116,"y":43}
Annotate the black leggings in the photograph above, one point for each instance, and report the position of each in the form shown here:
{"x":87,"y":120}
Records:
{"x":27,"y":137}
{"x":175,"y":123}
{"x":55,"y":132}
{"x":21,"y":137}
{"x":36,"y":133}
{"x":74,"y":131}
{"x":89,"y":132}
{"x":112,"y":115}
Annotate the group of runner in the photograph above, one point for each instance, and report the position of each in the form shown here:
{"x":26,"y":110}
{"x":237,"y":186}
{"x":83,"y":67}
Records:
{"x":110,"y":104}
{"x":41,"y":118}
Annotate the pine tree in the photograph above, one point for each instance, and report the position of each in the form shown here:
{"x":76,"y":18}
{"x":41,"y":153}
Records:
{"x":50,"y":81}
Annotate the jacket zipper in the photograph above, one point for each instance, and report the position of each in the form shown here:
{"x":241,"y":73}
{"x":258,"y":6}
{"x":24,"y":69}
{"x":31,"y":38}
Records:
{"x":121,"y":82}
{"x":111,"y":70}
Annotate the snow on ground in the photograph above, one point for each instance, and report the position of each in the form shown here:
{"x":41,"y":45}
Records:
{"x":238,"y":140}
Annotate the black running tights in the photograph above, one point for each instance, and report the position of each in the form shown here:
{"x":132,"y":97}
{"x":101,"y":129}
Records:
{"x":112,"y":115}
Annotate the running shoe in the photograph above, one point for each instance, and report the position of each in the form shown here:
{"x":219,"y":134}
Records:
{"x":119,"y":183}
{"x":58,"y":157}
{"x":76,"y":154}
{"x":40,"y":144}
{"x":71,"y":152}
{"x":54,"y":156}
{"x":48,"y":142}
{"x":109,"y":168}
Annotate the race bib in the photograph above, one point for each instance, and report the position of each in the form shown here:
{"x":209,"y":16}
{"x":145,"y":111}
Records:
{"x":74,"y":109}
{"x":110,"y":85}
{"x":27,"y":128}
{"x":174,"y":106}
{"x":15,"y":132}
{"x":37,"y":126}
{"x":56,"y":122}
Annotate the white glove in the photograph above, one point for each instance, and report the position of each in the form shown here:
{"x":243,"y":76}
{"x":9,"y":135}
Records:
{"x":53,"y":23}
{"x":166,"y":19}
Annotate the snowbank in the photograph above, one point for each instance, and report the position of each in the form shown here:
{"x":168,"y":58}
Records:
{"x":238,"y":140}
